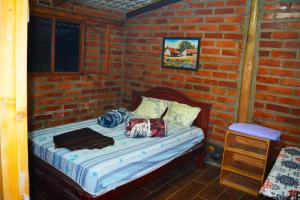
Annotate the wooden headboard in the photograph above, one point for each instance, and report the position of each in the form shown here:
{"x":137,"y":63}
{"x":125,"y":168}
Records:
{"x":173,"y":95}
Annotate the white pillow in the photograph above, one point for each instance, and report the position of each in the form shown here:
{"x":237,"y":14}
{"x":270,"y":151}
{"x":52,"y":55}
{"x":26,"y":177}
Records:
{"x":181,"y":115}
{"x":151,"y":108}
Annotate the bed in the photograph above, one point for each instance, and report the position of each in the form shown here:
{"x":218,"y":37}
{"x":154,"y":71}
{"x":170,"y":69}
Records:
{"x":44,"y":175}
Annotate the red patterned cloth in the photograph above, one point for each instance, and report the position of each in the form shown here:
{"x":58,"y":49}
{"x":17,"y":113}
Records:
{"x":146,"y":127}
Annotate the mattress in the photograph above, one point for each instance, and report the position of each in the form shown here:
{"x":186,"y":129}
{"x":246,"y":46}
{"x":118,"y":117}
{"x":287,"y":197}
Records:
{"x":100,"y":170}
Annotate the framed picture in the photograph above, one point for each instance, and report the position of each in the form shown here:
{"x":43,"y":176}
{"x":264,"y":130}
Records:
{"x":181,"y":53}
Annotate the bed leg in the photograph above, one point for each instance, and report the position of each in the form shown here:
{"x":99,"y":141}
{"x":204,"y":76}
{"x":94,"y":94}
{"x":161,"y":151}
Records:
{"x":200,"y":160}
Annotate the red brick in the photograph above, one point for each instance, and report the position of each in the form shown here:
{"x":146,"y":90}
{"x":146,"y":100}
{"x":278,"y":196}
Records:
{"x":291,"y":64}
{"x":292,"y":44}
{"x":290,"y":101}
{"x":168,"y":13}
{"x":52,"y":108}
{"x":267,"y":79}
{"x":215,"y":4}
{"x":233,"y":36}
{"x":224,"y":11}
{"x":283,"y":54}
{"x":214,"y":19}
{"x":285,"y":35}
{"x":295,"y":25}
{"x":234,"y":19}
{"x":196,"y":5}
{"x":231,"y":52}
{"x":204,"y":12}
{"x":219,"y":91}
{"x":210,"y":51}
{"x":184,"y":13}
{"x":208,"y":27}
{"x":236,"y":2}
{"x":263,"y":115}
{"x":193,"y":20}
{"x":228,"y":84}
{"x":279,"y":90}
{"x":289,"y":120}
{"x":229,"y":28}
{"x":213,"y":35}
{"x":42,"y":117}
{"x":264,"y":53}
{"x":277,"y":108}
{"x":290,"y":82}
{"x":207,"y":43}
{"x":266,"y":97}
{"x":265,"y":35}
{"x":258,"y":105}
{"x":263,"y":70}
{"x":227,"y":44}
{"x":201,"y":88}
{"x":273,"y":25}
{"x":271,"y":44}
{"x":176,"y":6}
{"x":219,"y":74}
{"x":268,"y":16}
{"x":65,"y":86}
{"x":295,"y":111}
{"x":280,"y":72}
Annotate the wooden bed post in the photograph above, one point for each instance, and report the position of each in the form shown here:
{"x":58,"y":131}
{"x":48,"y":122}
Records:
{"x":248,"y":65}
{"x":13,"y":100}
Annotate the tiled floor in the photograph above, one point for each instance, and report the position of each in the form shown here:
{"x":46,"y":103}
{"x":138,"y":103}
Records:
{"x":185,"y":183}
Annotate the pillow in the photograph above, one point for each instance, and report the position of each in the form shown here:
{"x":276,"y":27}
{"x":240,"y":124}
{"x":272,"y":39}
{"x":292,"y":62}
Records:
{"x":113,"y":118}
{"x":150,"y":108}
{"x":181,"y":115}
{"x":145,"y":127}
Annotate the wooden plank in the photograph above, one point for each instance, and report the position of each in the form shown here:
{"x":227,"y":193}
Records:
{"x":13,"y":124}
{"x":73,"y":15}
{"x":244,"y":103}
{"x":150,"y":7}
{"x":21,"y":96}
{"x":58,"y":2}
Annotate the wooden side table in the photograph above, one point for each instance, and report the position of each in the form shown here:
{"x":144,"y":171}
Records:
{"x":244,"y":162}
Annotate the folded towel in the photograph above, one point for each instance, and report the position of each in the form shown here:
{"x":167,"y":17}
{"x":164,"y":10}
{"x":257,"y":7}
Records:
{"x":84,"y":138}
{"x":145,"y":127}
{"x":114,"y":118}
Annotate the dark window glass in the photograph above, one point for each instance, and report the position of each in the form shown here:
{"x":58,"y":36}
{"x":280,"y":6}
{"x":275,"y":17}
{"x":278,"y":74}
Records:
{"x":39,"y":44}
{"x":66,"y":46}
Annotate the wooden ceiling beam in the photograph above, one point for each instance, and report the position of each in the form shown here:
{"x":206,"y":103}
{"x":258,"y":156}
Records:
{"x":56,"y":3}
{"x":150,"y":7}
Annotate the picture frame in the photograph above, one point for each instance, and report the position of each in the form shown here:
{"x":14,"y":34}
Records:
{"x":181,"y":53}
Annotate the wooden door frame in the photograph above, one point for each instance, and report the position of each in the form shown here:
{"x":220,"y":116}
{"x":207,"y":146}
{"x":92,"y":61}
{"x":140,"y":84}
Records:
{"x":13,"y":100}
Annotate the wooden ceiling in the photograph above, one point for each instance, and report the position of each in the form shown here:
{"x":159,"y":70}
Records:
{"x":130,"y":7}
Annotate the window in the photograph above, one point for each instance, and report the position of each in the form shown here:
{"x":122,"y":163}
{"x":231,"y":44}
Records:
{"x":54,"y":45}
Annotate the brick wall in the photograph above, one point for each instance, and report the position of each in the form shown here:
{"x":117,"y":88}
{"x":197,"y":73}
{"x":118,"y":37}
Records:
{"x":221,"y":25}
{"x":277,"y":84}
{"x":55,"y":100}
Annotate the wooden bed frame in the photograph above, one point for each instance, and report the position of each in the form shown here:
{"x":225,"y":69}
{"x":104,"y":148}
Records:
{"x":46,"y":179}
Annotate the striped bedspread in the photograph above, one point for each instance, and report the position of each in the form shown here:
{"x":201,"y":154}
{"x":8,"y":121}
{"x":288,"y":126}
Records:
{"x":100,"y":170}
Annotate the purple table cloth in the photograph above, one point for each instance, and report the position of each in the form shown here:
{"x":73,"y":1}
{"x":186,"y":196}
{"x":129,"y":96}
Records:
{"x":284,"y":179}
{"x":256,"y":130}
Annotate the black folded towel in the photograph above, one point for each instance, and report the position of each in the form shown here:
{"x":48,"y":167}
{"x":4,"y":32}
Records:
{"x":84,"y":138}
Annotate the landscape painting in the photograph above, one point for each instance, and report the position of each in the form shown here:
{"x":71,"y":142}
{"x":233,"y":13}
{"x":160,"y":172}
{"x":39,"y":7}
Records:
{"x":181,"y":53}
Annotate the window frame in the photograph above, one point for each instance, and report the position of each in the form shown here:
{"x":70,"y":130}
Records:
{"x":53,"y":18}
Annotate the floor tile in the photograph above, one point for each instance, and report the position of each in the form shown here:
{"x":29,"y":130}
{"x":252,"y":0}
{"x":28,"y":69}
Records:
{"x":189,"y":191}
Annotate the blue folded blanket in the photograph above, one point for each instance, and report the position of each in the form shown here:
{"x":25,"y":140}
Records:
{"x":114,"y":118}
